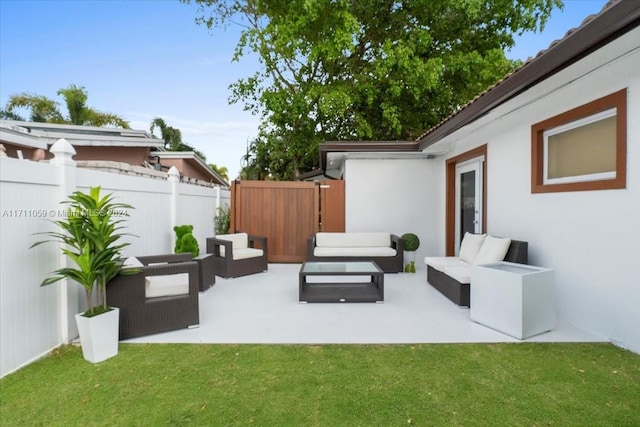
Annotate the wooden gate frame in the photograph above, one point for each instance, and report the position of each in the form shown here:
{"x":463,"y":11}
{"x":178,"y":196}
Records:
{"x":287,"y":213}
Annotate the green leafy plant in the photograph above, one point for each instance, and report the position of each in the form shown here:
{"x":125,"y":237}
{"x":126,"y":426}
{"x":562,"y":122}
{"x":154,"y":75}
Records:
{"x":223,"y":220}
{"x":411,"y":243}
{"x":90,"y":233}
{"x":186,"y":241}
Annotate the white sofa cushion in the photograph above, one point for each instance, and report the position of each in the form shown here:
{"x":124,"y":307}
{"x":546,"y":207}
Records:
{"x":461,"y":273}
{"x":376,"y":251}
{"x":247,"y":253}
{"x":353,"y":240}
{"x":166,"y":285}
{"x":470,"y":246}
{"x":493,"y":249}
{"x":439,"y":263}
{"x":238,"y":241}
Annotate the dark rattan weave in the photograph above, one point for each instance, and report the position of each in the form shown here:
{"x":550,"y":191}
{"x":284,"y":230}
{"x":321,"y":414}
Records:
{"x":206,"y":270}
{"x":141,"y":316}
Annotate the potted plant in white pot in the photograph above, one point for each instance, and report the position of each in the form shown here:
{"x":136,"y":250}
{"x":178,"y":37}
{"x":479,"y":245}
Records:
{"x":411,"y":243}
{"x":90,"y":234}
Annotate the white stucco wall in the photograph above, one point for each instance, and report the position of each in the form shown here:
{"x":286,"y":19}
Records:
{"x":590,"y":238}
{"x":399,"y":196}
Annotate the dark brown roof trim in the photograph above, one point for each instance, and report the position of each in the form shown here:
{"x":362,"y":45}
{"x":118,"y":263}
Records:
{"x":616,"y":18}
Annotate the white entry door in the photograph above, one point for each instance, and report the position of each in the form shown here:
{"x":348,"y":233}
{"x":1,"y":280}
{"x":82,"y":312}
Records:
{"x":469,"y":209}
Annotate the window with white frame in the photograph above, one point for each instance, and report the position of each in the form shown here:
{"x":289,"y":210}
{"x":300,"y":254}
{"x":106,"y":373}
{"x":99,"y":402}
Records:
{"x":582,"y":149}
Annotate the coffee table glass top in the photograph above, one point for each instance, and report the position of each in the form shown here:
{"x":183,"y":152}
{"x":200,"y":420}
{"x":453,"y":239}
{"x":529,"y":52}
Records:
{"x":340,"y":267}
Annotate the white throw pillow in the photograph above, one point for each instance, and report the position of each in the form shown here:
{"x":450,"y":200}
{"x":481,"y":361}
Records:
{"x":132,"y":262}
{"x":493,"y":250}
{"x":471,"y":244}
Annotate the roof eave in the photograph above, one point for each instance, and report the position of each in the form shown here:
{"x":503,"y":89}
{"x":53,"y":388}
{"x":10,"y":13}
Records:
{"x":616,"y":19}
{"x":191,"y":155}
{"x":363,"y":146}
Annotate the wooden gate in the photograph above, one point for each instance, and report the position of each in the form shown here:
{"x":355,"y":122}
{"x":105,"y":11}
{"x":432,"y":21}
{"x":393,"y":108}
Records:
{"x":287,"y":213}
{"x":332,"y":205}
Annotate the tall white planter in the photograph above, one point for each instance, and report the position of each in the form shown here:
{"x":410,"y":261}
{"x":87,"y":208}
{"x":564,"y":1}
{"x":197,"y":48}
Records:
{"x":99,"y":335}
{"x":513,"y":298}
{"x":409,"y":257}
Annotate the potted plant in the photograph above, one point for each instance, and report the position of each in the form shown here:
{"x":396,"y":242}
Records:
{"x":411,"y":243}
{"x":223,"y":220}
{"x":90,"y":234}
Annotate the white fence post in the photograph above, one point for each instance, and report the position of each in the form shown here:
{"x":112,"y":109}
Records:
{"x":63,"y":158}
{"x":174,"y":180}
{"x":217,"y":212}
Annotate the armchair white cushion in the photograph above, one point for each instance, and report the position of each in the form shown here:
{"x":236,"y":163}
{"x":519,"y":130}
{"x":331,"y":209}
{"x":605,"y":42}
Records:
{"x":240,"y":245}
{"x":166,"y":285}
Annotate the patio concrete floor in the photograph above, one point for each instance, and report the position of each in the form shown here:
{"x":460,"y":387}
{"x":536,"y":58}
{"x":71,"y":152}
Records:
{"x":264,"y":308}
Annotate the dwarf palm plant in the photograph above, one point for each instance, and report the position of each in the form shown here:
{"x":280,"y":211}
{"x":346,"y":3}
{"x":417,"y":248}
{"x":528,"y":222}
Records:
{"x":90,"y":233}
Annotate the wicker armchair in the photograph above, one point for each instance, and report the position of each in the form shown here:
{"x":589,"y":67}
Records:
{"x":238,"y":254}
{"x":140,"y":315}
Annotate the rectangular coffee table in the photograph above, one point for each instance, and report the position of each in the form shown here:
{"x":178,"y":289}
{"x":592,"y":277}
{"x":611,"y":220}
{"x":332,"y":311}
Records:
{"x":341,"y":282}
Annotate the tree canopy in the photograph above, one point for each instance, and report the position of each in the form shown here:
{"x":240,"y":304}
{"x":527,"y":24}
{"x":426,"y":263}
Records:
{"x":172,"y":137}
{"x":223,"y":171}
{"x":364,"y":70}
{"x":43,"y":109}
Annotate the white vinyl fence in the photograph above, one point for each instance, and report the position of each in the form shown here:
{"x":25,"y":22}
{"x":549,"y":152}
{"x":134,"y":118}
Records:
{"x":33,"y":319}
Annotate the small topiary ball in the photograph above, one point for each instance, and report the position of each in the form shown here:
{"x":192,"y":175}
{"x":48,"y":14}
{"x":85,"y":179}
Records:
{"x":411,"y":242}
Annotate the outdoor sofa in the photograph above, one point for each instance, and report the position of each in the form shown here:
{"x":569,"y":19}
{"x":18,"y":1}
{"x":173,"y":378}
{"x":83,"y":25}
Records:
{"x":161,"y":297}
{"x":451,"y":276}
{"x":385,"y":249}
{"x":238,"y":254}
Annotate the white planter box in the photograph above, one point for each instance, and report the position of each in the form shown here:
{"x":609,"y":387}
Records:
{"x":99,"y":335}
{"x":515,"y":299}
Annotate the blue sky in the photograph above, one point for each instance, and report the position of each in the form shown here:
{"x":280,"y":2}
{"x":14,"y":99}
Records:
{"x":147,"y":58}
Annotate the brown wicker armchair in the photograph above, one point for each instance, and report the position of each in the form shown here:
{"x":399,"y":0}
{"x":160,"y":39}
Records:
{"x":238,"y":254}
{"x":140,"y":315}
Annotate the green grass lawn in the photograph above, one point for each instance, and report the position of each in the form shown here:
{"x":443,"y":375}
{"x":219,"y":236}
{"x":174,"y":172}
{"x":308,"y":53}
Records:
{"x":525,"y":384}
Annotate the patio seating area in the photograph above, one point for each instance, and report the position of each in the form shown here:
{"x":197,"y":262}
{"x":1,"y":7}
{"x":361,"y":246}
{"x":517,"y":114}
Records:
{"x":264,"y":308}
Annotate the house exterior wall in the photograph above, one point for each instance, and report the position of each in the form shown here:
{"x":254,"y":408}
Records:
{"x":589,"y":238}
{"x":399,"y":196}
{"x":186,"y":169}
{"x":132,"y":155}
{"x":27,"y":153}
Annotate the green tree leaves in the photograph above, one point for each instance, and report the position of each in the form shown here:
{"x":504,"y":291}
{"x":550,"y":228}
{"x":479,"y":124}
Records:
{"x":43,"y":109}
{"x":365,"y":70}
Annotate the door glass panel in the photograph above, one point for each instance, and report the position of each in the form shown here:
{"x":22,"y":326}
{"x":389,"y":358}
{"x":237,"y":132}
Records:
{"x":467,"y":203}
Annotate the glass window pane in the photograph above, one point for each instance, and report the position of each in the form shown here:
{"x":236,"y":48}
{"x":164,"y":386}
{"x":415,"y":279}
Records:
{"x":584,"y":150}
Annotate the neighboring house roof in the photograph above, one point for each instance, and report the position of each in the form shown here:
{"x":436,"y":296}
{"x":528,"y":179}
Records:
{"x":42,"y":135}
{"x":615,"y":19}
{"x":195,"y":161}
{"x":37,"y":135}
